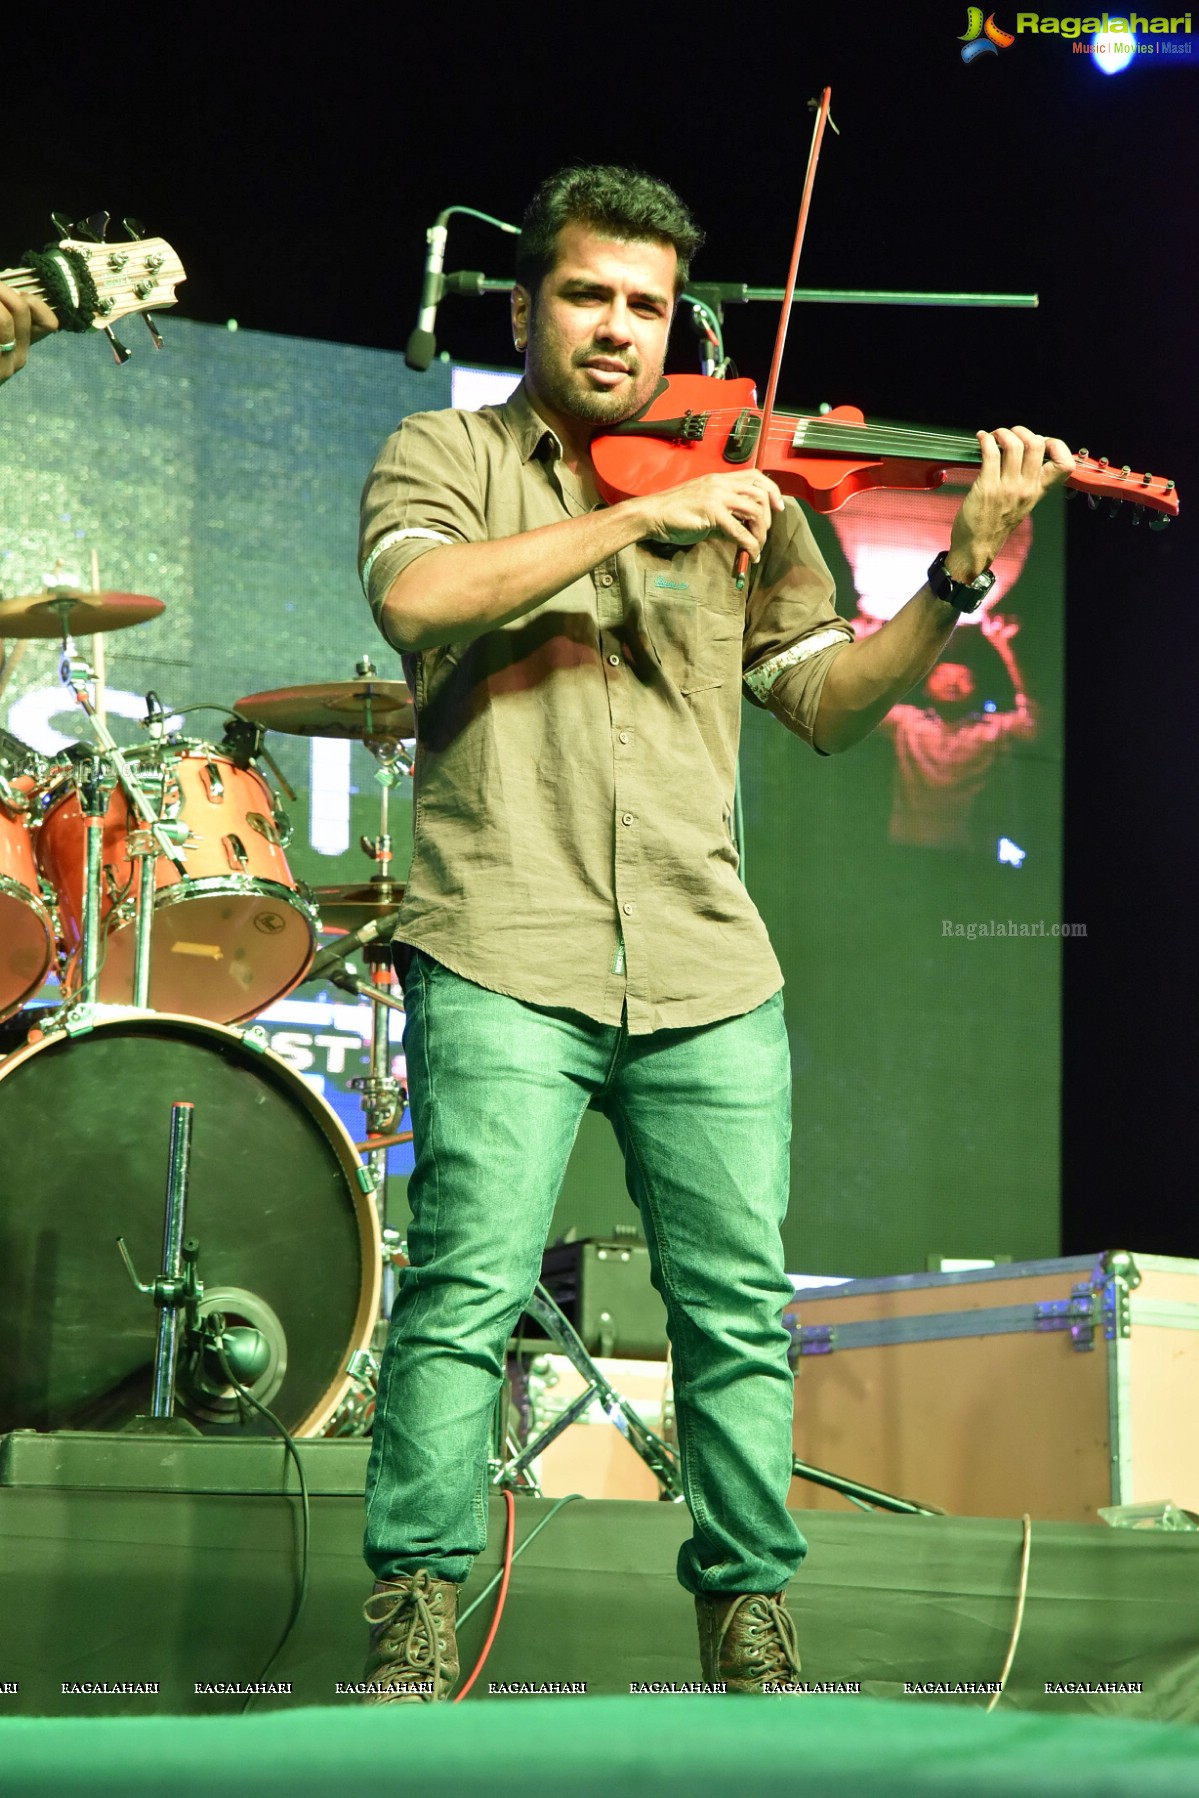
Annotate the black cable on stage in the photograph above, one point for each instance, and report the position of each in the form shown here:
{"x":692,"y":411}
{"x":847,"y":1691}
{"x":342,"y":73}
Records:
{"x":243,"y":1392}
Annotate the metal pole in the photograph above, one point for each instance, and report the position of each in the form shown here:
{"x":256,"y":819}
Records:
{"x":92,"y":806}
{"x":737,"y":293}
{"x":143,"y":930}
{"x":166,"y":1351}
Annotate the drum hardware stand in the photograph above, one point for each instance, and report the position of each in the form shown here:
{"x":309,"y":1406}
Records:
{"x":514,"y":1473}
{"x":177,"y":1288}
{"x":383,"y":1098}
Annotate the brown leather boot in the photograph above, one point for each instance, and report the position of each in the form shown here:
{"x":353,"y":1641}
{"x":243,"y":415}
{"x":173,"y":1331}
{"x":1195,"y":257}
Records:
{"x":747,"y":1641}
{"x":414,"y":1650}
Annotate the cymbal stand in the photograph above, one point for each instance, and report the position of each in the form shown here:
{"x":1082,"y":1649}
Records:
{"x":159,"y":837}
{"x":383,"y":1097}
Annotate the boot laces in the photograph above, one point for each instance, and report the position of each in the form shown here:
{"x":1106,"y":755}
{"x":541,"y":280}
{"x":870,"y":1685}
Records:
{"x":772,"y":1642}
{"x":404,"y":1622}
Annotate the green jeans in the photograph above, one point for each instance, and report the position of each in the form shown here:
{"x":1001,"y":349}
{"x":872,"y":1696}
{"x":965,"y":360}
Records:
{"x":702,"y":1116}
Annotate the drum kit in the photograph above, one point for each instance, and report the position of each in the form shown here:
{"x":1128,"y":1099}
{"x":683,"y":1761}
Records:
{"x":153,"y":883}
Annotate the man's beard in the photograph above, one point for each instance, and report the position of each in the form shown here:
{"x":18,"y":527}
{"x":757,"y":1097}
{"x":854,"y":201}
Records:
{"x":596,"y":408}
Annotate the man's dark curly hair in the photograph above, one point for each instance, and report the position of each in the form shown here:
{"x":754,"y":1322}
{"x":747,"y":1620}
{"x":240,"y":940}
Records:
{"x":620,"y":203}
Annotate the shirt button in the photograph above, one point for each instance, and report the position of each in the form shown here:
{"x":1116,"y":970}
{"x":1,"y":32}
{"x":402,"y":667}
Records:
{"x":627,"y":908}
{"x":605,"y":580}
{"x":624,"y":736}
{"x":628,"y":818}
{"x":615,"y":661}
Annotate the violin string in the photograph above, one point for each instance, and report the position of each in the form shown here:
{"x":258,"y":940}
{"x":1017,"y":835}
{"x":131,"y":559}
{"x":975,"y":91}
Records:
{"x":835,"y":435}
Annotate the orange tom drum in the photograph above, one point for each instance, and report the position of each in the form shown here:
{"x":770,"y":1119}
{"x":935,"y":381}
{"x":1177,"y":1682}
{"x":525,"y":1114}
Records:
{"x":231,"y":934}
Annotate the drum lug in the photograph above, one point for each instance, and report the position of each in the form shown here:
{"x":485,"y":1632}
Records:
{"x":235,"y":851}
{"x":256,"y":1038}
{"x":214,"y":783}
{"x":366,"y":1179}
{"x":265,"y":827}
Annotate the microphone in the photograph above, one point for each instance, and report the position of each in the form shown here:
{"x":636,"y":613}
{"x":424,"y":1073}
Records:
{"x":329,"y":959}
{"x":422,"y":345}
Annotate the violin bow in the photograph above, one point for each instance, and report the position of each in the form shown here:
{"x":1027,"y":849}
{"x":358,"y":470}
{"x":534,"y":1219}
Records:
{"x":741,"y":565}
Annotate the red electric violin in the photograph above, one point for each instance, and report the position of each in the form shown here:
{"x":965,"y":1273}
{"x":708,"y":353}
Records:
{"x":697,"y":425}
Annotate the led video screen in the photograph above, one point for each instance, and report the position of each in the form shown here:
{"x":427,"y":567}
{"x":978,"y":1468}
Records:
{"x":911,"y":887}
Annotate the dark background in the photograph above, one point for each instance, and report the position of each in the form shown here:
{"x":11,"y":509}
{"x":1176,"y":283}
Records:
{"x":295,"y":162}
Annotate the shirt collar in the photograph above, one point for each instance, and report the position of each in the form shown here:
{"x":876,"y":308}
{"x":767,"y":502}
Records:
{"x":526,"y":427}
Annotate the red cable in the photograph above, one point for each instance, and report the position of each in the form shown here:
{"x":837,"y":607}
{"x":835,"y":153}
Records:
{"x":509,"y":1546}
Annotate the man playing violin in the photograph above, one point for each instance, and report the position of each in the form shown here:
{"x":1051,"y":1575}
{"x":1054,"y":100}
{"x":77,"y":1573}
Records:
{"x":578,"y":932}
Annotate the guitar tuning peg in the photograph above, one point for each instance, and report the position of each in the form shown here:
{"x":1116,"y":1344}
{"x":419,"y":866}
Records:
{"x":1138,"y":512}
{"x":94,"y":226}
{"x":151,"y":325}
{"x":120,"y":353}
{"x":1159,"y":523}
{"x":133,"y":228}
{"x":61,"y":223}
{"x":1113,"y":510}
{"x":1092,"y":503}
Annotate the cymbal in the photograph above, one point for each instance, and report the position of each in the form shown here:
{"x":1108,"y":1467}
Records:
{"x":349,"y":907}
{"x":82,"y":613}
{"x":340,"y":708}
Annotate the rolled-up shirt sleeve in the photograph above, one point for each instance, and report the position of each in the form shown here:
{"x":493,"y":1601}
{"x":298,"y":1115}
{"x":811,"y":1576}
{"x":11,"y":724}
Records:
{"x":793,"y":631}
{"x":425,"y":490}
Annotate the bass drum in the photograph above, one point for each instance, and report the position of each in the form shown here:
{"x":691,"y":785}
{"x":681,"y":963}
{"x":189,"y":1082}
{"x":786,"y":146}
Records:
{"x":289,"y":1240}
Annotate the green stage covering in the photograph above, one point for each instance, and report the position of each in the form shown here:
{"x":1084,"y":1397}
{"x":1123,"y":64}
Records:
{"x":591,"y":1748}
{"x":174,"y":1564}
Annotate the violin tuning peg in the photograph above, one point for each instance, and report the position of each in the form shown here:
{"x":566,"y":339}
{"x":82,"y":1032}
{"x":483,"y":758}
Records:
{"x":119,"y":352}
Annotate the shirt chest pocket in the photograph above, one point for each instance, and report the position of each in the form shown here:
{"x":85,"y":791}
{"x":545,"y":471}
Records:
{"x":696,"y":644}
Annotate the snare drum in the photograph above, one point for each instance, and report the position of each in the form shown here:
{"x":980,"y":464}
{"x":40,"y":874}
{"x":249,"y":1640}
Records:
{"x":26,"y":929}
{"x":289,"y":1240}
{"x":232,"y":933}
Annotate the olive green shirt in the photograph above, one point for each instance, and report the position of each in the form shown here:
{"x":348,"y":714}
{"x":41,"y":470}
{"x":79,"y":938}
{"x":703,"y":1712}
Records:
{"x":575,"y":768}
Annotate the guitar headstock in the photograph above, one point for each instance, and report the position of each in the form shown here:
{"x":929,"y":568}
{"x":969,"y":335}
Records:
{"x":138,"y":274}
{"x":1099,"y":480}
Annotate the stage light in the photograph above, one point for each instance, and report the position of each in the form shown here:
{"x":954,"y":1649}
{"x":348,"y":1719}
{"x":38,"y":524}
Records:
{"x":1011,"y":853}
{"x":1113,"y":51}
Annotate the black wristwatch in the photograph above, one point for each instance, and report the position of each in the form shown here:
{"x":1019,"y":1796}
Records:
{"x":967,"y":596}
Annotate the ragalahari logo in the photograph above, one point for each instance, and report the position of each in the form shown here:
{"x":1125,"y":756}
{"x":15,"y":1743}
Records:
{"x":983,"y":37}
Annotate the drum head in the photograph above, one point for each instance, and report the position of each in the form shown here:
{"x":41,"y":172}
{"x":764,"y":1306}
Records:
{"x":285,"y":1233}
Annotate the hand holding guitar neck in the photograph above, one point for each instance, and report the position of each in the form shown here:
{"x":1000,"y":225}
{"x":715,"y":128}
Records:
{"x":23,"y":319}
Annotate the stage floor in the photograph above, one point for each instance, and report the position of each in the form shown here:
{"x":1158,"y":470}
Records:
{"x":595,"y":1748}
{"x":173,"y":1564}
